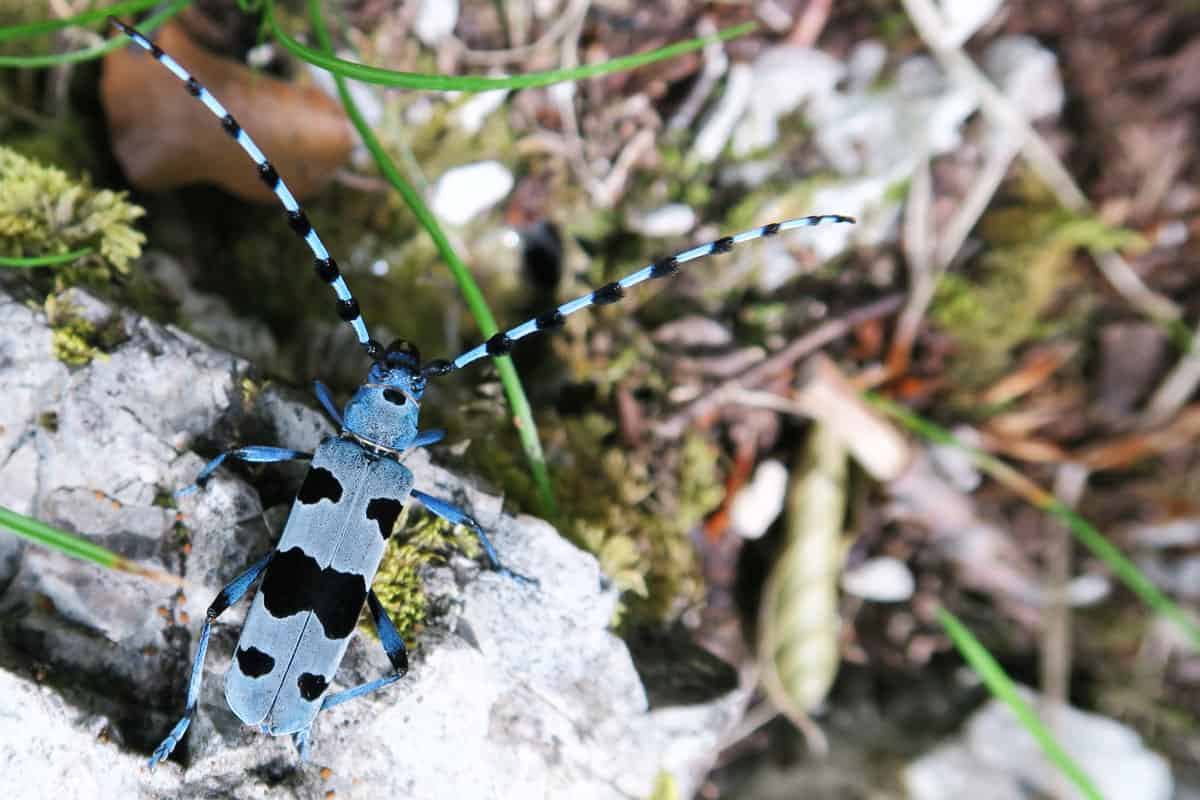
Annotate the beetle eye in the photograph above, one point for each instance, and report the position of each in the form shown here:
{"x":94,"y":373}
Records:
{"x":395,"y":397}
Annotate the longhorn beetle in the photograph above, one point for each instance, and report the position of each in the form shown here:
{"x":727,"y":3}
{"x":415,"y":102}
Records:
{"x":316,"y":580}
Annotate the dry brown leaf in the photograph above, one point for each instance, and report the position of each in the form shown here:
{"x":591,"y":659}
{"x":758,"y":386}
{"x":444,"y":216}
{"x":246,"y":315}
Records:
{"x":1035,"y":368}
{"x":1036,"y":451}
{"x":1128,"y":450}
{"x":163,"y":137}
{"x":1046,"y":408}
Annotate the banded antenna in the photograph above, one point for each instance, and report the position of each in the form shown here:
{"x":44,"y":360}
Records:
{"x":347,"y":307}
{"x":502,"y":343}
{"x":326,"y":268}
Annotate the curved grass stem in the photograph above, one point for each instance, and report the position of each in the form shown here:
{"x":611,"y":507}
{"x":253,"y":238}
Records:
{"x":473,"y":83}
{"x":514,"y":391}
{"x":87,"y":53}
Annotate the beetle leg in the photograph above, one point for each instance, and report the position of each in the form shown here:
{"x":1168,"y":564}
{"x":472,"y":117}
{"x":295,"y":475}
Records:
{"x":236,"y":589}
{"x":426,"y":438}
{"x":452,"y":513}
{"x":393,"y":645}
{"x":253,"y":453}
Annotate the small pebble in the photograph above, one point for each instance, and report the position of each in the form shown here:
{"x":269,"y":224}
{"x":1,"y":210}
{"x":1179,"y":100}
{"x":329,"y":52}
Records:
{"x":882,"y":580}
{"x":760,"y":501}
{"x":464,"y":192}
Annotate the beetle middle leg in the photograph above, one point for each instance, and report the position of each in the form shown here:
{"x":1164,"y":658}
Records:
{"x":452,"y":513}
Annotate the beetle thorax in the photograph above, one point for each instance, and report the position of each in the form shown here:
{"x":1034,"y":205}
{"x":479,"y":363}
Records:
{"x":384,"y":411}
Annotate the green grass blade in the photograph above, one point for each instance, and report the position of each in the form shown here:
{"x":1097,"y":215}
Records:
{"x":44,"y":261}
{"x":518,"y":403}
{"x":76,"y":547}
{"x":87,"y":17}
{"x":468,"y":83}
{"x":1124,"y":569}
{"x":1002,"y":687}
{"x":88,"y":53}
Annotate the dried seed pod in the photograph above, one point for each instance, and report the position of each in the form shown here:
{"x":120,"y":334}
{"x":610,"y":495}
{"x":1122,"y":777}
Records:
{"x":798,"y":648}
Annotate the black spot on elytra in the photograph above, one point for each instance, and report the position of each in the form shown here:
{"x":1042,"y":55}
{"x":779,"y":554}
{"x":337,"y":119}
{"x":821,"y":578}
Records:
{"x":311,"y":686}
{"x":254,"y":662}
{"x":384,"y":511}
{"x":295,"y":582}
{"x":319,"y":484}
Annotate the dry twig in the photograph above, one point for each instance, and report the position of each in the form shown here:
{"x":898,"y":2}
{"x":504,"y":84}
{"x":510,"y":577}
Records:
{"x":674,"y":426}
{"x":1041,"y":157}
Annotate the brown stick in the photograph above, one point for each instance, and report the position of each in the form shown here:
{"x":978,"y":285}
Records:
{"x":674,"y":426}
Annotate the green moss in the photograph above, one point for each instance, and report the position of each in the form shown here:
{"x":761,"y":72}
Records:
{"x":633,"y":509}
{"x":76,"y":341}
{"x":1023,"y":273}
{"x":252,"y":391}
{"x":45,"y":212}
{"x":415,"y":544}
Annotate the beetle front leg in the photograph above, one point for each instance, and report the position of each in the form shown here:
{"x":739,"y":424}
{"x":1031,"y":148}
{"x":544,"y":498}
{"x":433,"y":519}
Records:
{"x":253,"y":454}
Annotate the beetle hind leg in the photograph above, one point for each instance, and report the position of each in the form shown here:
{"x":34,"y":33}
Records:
{"x":393,"y":645}
{"x":236,"y":589}
{"x":300,"y":739}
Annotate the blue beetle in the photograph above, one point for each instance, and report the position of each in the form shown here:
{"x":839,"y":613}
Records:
{"x":315,"y":582}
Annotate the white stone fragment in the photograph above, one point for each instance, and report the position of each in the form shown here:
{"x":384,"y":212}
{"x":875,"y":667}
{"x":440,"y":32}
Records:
{"x":884,"y":133}
{"x":671,"y":220}
{"x":882,"y":580}
{"x":782,"y":78}
{"x":866,"y":61}
{"x":1088,"y":590}
{"x":692,"y":330}
{"x":464,"y":192}
{"x":760,"y":501}
{"x":547,"y":9}
{"x":471,"y":115}
{"x":1027,"y":73}
{"x":435,"y":21}
{"x":954,"y":463}
{"x":716,"y":129}
{"x":996,"y":757}
{"x":963,"y":18}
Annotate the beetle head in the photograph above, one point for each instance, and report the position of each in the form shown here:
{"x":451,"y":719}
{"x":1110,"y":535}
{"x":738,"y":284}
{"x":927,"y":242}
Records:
{"x":385,"y":408}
